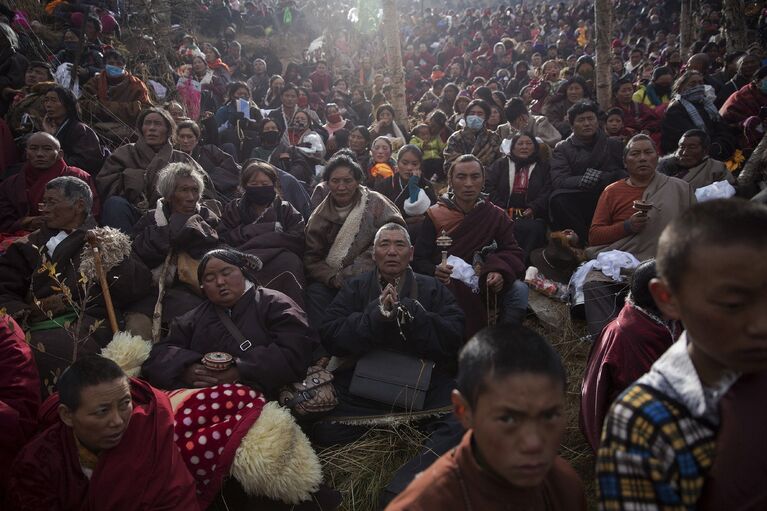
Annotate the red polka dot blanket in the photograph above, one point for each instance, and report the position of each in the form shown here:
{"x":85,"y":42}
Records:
{"x":210,"y":425}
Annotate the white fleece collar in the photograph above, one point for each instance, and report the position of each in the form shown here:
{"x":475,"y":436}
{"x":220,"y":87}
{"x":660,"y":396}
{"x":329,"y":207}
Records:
{"x":674,"y":375}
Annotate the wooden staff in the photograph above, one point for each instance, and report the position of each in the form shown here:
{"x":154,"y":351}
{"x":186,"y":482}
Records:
{"x":157,"y":314}
{"x":102,"y":276}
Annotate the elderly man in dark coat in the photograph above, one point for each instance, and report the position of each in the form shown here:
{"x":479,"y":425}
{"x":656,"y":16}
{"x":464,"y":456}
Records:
{"x":394,"y":309}
{"x":37,"y":271}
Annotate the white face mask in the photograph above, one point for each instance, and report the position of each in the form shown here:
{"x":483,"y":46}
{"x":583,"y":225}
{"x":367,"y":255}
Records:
{"x":710,"y":92}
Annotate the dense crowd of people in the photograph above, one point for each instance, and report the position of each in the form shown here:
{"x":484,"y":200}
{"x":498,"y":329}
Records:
{"x":222,"y":256}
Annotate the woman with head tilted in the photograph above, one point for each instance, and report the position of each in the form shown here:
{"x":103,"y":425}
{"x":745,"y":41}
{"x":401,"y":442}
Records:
{"x":278,"y":344}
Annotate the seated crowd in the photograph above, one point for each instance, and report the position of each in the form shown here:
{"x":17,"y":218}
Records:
{"x":213,"y":264}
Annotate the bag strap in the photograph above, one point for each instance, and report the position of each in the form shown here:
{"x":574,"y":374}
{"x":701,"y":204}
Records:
{"x":245,"y":344}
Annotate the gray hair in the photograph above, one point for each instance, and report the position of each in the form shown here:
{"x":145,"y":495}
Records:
{"x":73,"y":188}
{"x":641,"y":137}
{"x":391,"y":226}
{"x":170,"y":174}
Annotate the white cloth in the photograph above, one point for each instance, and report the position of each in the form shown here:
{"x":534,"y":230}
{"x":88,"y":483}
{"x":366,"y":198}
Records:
{"x":63,"y":76}
{"x":610,"y":263}
{"x":52,"y":243}
{"x":718,"y":190}
{"x":464,"y":272}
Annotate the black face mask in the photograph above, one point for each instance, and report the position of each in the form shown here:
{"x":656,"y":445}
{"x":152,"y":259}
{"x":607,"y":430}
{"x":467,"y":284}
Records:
{"x":662,"y":90}
{"x":270,"y":138}
{"x":260,"y":195}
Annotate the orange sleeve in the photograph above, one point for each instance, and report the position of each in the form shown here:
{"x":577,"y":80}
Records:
{"x":613,"y":209}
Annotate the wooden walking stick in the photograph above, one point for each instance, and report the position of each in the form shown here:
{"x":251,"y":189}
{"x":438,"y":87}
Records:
{"x":94,"y":245}
{"x":157,"y":314}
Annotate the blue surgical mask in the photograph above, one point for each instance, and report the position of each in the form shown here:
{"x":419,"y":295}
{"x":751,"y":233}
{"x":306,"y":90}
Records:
{"x":114,"y":71}
{"x":474,"y":122}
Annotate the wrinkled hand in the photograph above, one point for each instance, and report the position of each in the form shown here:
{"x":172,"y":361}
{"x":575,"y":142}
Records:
{"x":442,"y":273}
{"x":199,"y":376}
{"x":638,"y":221}
{"x":389,"y":298}
{"x":336,"y":282}
{"x":495,"y":281}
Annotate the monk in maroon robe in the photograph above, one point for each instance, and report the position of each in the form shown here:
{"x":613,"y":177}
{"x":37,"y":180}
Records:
{"x":19,"y":394}
{"x":483,"y":236}
{"x":20,"y":194}
{"x":110,"y":448}
{"x":626,"y":349}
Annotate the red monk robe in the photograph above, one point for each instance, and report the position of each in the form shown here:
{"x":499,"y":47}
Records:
{"x":19,"y":394}
{"x":626,"y":349}
{"x":470,"y":233}
{"x":144,"y":472}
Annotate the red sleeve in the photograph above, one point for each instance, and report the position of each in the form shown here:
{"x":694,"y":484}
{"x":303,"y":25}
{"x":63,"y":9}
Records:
{"x":19,"y":393}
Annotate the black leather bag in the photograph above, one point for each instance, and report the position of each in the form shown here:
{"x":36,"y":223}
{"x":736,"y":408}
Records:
{"x":392,"y":378}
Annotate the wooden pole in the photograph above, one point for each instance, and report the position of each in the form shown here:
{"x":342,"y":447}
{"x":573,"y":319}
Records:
{"x":94,"y":244}
{"x":157,"y":314}
{"x":392,"y":44}
{"x":603,"y":24}
{"x":685,"y":30}
{"x":735,"y":27}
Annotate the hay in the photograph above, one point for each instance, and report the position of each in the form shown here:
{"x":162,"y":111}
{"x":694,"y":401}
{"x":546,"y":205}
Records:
{"x":362,"y":469}
{"x":570,"y":341}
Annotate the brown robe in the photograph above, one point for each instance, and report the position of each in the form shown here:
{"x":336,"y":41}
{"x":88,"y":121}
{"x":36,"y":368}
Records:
{"x":456,"y":482}
{"x":124,"y":100}
{"x":281,"y":342}
{"x":131,"y":171}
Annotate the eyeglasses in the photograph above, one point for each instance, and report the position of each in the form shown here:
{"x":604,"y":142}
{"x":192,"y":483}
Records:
{"x":47,"y":205}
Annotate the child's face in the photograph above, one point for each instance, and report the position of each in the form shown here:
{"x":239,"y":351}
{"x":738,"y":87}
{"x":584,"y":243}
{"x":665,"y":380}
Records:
{"x":423,"y":133}
{"x":722,"y":306}
{"x":614,"y":125}
{"x":518,"y":422}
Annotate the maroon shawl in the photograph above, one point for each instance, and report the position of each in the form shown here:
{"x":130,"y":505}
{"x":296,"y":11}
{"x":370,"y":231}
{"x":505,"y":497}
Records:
{"x":471,"y":232}
{"x":19,"y":394}
{"x":627,"y":348}
{"x":20,"y":194}
{"x":144,"y":472}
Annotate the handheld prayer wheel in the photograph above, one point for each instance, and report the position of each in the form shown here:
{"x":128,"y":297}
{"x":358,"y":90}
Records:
{"x":217,"y":361}
{"x":444,"y":242}
{"x":642,"y":207}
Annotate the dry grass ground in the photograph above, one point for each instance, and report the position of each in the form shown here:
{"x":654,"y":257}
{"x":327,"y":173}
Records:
{"x":360,"y":470}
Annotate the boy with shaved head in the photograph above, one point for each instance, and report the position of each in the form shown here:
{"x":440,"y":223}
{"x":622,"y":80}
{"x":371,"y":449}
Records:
{"x":660,"y":437}
{"x":510,"y":397}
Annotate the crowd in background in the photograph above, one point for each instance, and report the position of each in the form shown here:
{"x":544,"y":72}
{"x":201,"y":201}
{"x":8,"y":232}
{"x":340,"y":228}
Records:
{"x":255,"y":149}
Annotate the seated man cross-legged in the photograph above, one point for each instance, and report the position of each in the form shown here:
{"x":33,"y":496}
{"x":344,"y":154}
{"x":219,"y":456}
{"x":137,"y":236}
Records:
{"x":489,"y":261}
{"x":415,"y":316}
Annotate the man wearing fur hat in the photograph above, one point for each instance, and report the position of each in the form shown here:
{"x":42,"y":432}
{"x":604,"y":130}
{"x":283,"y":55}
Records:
{"x":46,"y":283}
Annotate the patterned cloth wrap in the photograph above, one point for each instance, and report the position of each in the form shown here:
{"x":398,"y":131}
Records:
{"x":210,"y":424}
